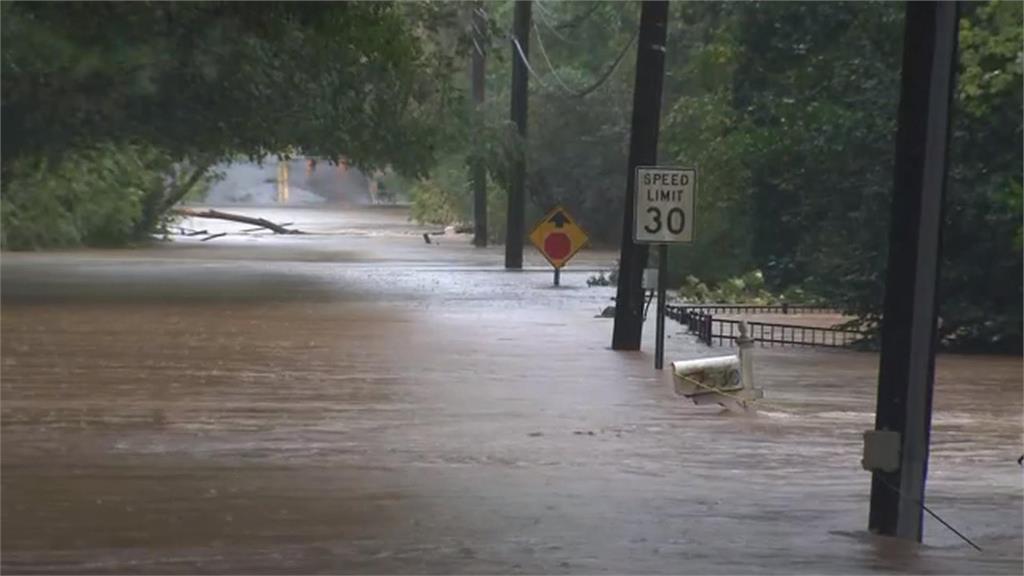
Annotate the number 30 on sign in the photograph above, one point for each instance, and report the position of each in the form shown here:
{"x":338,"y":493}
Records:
{"x":664,"y":205}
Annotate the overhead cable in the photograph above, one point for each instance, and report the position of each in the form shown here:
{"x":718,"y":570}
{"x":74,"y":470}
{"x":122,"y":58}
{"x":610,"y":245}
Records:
{"x":554,"y":30}
{"x":565,"y":88}
{"x":544,"y":53}
{"x":526,"y":61}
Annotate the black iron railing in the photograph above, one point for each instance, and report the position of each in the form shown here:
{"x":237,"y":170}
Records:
{"x":760,"y":309}
{"x":723,"y":332}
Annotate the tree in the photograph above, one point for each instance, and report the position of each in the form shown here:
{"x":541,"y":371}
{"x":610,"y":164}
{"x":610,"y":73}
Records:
{"x":789,"y":109}
{"x":580,"y":92}
{"x":198,"y":83}
{"x":211,"y":80}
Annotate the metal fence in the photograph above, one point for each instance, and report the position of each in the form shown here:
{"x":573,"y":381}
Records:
{"x":711,"y":330}
{"x":759,"y":309}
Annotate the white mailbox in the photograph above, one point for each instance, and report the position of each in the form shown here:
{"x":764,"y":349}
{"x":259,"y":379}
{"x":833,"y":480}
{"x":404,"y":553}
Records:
{"x":724,"y":380}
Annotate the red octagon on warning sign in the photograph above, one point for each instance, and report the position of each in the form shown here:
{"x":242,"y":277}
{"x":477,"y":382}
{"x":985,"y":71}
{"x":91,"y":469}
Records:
{"x":558,"y":237}
{"x":557,"y":245}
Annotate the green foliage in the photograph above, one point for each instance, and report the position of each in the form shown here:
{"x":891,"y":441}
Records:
{"x":703,"y":131}
{"x":748,"y":288}
{"x":203,"y":82}
{"x":213,"y":79}
{"x":982,"y":258}
{"x":92,"y":197}
{"x":789,"y":111}
{"x":578,"y":146}
{"x":990,"y":57}
{"x":103,"y":196}
{"x":576,"y":152}
{"x":444,"y":197}
{"x":611,"y":279}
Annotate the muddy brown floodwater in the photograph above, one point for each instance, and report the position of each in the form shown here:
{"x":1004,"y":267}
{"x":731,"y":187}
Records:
{"x":359,"y":401}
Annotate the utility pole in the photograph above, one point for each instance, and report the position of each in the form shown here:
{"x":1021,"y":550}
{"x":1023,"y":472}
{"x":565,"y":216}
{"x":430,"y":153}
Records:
{"x":477,"y":170}
{"x":907,"y":366}
{"x":643,"y":151}
{"x":514,"y":228}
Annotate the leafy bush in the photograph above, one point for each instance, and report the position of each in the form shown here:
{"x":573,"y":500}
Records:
{"x":746,"y":289}
{"x":445,"y":198}
{"x":91,"y":197}
{"x":103,"y":196}
{"x":612,"y":279}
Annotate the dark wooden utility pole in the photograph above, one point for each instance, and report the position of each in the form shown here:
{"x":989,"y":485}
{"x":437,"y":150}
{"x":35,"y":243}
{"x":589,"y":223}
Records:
{"x":907,"y":366}
{"x":477,"y":170}
{"x":514,"y":228}
{"x":643,"y":151}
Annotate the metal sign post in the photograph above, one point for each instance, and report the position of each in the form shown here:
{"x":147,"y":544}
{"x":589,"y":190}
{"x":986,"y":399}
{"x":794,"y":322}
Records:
{"x":659,"y":346}
{"x":665,"y":201}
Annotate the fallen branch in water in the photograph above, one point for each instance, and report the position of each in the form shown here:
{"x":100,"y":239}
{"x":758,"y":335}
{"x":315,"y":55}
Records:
{"x":212,"y":236}
{"x":258,"y":228}
{"x":182,"y":231}
{"x":218,"y":215}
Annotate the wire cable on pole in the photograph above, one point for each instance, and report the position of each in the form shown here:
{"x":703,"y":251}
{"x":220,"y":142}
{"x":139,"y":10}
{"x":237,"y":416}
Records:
{"x":932,"y":514}
{"x":526,"y":62}
{"x":743,"y":402}
{"x":544,"y":54}
{"x":554,"y":30}
{"x":576,"y":21}
{"x":565,"y":89}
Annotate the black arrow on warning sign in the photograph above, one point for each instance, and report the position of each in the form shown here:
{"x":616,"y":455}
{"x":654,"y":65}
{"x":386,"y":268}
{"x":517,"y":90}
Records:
{"x":558,"y":219}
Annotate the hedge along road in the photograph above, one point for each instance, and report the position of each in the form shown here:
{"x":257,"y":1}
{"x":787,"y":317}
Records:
{"x":359,"y":401}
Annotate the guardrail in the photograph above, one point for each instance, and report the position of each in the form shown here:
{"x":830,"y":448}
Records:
{"x":710,"y":330}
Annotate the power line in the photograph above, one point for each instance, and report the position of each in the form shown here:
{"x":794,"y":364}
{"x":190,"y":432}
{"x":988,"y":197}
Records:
{"x":573,"y":22}
{"x":544,"y":53}
{"x":611,"y":69}
{"x":477,"y":33}
{"x":543,"y":8}
{"x":565,"y":88}
{"x":547,"y":23}
{"x":526,"y":62}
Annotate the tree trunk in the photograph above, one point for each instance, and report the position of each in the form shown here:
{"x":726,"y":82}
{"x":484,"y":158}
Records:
{"x":190,"y":183}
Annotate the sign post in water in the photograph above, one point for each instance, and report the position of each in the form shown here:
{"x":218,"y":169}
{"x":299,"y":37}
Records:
{"x":665,"y":201}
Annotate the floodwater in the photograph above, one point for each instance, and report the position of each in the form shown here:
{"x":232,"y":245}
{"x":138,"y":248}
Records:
{"x":360,"y":401}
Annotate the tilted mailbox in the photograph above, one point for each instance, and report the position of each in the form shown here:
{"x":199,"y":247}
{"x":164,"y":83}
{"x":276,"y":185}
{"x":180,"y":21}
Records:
{"x":724,"y":380}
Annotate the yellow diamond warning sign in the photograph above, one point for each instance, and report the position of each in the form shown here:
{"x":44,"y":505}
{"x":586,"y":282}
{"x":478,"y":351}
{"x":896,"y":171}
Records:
{"x":558,"y":237}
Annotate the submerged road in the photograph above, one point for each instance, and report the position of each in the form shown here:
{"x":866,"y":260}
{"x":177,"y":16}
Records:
{"x":359,"y":401}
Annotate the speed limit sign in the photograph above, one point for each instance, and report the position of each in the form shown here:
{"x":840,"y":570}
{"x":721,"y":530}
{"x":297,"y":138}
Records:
{"x":664,"y":205}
